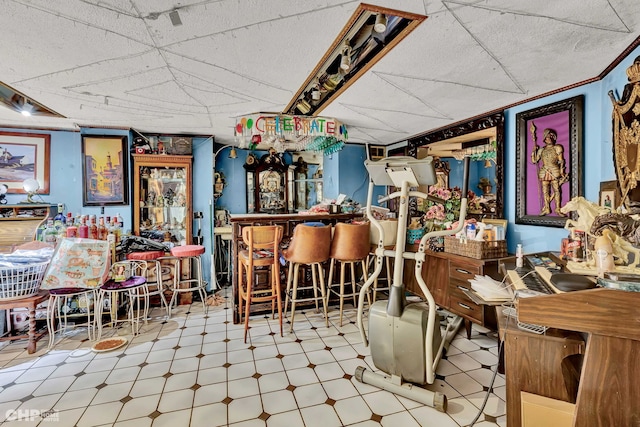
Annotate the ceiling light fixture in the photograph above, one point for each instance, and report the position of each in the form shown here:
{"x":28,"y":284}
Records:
{"x":27,"y":108}
{"x":345,"y":61}
{"x":381,"y":23}
{"x":174,"y":16}
{"x":17,"y":101}
{"x":358,"y":47}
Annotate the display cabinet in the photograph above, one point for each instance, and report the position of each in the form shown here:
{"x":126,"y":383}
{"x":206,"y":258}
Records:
{"x":162,"y":202}
{"x":305,"y":184}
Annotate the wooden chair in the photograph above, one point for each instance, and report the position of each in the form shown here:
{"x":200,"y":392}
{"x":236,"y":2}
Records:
{"x":262,"y":251}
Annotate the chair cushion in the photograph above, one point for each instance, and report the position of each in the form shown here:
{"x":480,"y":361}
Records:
{"x":256,"y":254}
{"x":187,"y":250}
{"x":145,"y":256}
{"x":131,"y":282}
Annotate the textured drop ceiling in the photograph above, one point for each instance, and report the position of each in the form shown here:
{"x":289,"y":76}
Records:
{"x":121,"y":63}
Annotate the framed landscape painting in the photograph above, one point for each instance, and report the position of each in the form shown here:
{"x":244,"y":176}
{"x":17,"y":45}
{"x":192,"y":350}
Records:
{"x":24,"y":156}
{"x":104,"y":170}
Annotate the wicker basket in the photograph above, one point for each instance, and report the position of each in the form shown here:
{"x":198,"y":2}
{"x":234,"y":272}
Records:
{"x":476,"y":249}
{"x":22,"y":281}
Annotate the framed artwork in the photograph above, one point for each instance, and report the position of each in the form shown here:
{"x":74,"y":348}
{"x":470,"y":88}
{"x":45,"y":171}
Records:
{"x":548,"y":157}
{"x":104,"y":170}
{"x":610,"y":195}
{"x":24,"y":156}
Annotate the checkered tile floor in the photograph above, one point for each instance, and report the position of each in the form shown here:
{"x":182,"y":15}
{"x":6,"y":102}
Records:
{"x":195,"y":369}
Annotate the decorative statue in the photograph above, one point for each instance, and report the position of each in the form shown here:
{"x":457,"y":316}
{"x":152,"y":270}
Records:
{"x":551,"y":169}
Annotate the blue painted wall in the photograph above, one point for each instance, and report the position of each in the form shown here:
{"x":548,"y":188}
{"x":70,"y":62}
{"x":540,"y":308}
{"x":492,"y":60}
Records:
{"x":65,"y":182}
{"x":597,"y":153}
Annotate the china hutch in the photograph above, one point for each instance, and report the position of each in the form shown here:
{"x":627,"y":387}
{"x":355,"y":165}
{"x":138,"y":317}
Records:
{"x":162,"y":201}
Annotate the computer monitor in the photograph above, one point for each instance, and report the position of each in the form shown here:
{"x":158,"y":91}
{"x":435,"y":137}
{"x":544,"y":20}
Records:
{"x":394,"y":170}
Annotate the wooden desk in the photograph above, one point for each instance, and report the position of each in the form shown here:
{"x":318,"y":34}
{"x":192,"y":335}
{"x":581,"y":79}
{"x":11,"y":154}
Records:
{"x":447,"y":276}
{"x":608,"y":393}
{"x":30,"y":303}
{"x":538,"y":364}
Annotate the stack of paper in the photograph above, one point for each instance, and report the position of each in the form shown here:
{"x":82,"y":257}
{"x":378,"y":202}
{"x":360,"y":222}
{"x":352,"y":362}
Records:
{"x":490,"y":289}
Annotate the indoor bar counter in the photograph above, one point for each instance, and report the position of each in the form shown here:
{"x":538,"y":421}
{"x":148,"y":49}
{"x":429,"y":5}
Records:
{"x":288,"y":223}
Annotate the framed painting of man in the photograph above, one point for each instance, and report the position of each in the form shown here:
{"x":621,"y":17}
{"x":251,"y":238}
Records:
{"x":549,"y":142}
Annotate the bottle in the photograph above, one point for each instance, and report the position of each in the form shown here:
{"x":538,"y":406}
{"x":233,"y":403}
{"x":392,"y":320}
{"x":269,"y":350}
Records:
{"x":83,"y":228}
{"x":50,"y":233}
{"x":471,"y":231}
{"x":69,"y":220}
{"x":102,"y":229}
{"x":60,"y":216}
{"x":93,"y":228}
{"x":519,"y":256}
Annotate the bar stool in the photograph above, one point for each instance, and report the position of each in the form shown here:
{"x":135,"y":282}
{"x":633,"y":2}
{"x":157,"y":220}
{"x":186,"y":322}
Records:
{"x":190,"y":254}
{"x":128,"y":280}
{"x":349,"y":246}
{"x":155,"y":284}
{"x":58,"y":307}
{"x":309,"y":246}
{"x":262,"y":251}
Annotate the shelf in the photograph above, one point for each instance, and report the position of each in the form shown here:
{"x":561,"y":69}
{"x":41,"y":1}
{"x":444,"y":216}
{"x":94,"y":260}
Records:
{"x":308,"y":180}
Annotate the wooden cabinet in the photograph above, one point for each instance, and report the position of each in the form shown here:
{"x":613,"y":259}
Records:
{"x":267,"y":190}
{"x":19,"y":223}
{"x":162,"y":201}
{"x":447,"y":277}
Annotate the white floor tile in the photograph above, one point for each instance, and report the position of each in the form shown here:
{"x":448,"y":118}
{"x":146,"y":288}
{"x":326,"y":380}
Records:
{"x":209,"y":415}
{"x":278,"y":401}
{"x":320,"y":416}
{"x":181,"y":381}
{"x":291,"y":418}
{"x":100,"y":414}
{"x":112,"y":393}
{"x":302,"y":376}
{"x":210,"y":394}
{"x":272,"y":382}
{"x":172,"y":419}
{"x":139,"y":407}
{"x":212,"y":376}
{"x":243,"y":387}
{"x":245,"y":408}
{"x":147,"y":387}
{"x":403,"y":419}
{"x":76,"y":399}
{"x":176,"y":400}
{"x":309,"y":395}
{"x":352,"y":410}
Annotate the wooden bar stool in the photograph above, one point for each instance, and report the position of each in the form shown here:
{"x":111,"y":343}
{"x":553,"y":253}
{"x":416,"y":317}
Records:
{"x":349,"y":246}
{"x":309,"y":246}
{"x":262,"y":251}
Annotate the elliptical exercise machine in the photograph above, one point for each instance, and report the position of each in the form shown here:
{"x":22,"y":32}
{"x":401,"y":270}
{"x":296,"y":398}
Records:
{"x":406,"y":341}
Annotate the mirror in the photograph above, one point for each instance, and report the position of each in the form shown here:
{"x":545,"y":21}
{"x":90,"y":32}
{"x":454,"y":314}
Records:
{"x":305,"y":181}
{"x":480,"y":139}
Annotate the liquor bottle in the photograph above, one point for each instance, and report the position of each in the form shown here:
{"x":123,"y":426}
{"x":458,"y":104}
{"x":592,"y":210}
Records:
{"x":83,"y":228}
{"x":102,"y":229}
{"x":69,"y":219}
{"x":93,"y":228}
{"x":60,"y":216}
{"x":50,"y":233}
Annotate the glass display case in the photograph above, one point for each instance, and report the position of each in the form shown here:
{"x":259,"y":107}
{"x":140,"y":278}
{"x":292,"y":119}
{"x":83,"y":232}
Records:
{"x":305,"y":184}
{"x":162,"y":205}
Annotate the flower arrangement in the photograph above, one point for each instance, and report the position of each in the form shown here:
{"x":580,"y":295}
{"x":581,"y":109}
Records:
{"x":441,"y":215}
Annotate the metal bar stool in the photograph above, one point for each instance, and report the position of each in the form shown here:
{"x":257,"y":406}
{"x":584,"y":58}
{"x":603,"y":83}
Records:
{"x":128,"y":280}
{"x":58,"y":307}
{"x":190,"y":254}
{"x":309,"y":246}
{"x":262,"y":251}
{"x":155,"y":284}
{"x":349,"y":246}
